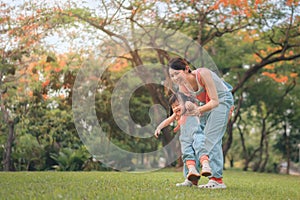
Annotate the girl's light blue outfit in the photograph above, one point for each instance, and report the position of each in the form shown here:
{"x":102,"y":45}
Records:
{"x":191,"y":140}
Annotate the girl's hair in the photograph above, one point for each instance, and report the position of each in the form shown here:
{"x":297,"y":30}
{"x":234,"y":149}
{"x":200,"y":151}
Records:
{"x":178,"y":63}
{"x":172,"y":99}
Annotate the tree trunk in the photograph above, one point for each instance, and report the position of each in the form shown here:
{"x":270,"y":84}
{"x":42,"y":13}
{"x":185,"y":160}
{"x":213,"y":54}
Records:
{"x":227,"y":144}
{"x":8,"y":147}
{"x":287,"y":147}
{"x":246,"y":165}
{"x":264,"y":164}
{"x":231,"y":162}
{"x":260,"y":150}
{"x":245,"y":153}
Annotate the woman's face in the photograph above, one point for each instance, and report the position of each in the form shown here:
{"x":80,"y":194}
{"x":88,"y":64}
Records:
{"x":177,"y":76}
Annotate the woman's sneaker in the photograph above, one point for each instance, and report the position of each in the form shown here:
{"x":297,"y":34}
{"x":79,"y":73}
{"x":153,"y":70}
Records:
{"x":213,"y":185}
{"x":185,"y":183}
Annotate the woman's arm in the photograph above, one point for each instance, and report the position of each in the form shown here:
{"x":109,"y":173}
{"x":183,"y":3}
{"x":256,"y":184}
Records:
{"x":164,"y":124}
{"x":211,"y":91}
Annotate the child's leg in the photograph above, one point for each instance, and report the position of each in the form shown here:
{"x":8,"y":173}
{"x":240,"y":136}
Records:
{"x":188,"y":153}
{"x":187,"y":182}
{"x":206,"y":170}
{"x":192,"y":172}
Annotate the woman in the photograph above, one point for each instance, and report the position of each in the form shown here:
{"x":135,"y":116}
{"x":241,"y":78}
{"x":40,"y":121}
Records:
{"x":215,"y":108}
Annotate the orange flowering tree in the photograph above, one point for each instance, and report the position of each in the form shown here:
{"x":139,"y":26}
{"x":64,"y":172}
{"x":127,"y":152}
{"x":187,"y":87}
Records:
{"x":31,"y":77}
{"x":13,"y":48}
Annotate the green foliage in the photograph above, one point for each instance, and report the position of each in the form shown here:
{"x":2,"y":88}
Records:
{"x":261,"y":121}
{"x":6,"y":68}
{"x":70,"y":159}
{"x":139,"y":105}
{"x":294,"y":139}
{"x":84,"y":13}
{"x":152,"y":185}
{"x":228,"y":57}
{"x":28,"y":153}
{"x":53,"y":130}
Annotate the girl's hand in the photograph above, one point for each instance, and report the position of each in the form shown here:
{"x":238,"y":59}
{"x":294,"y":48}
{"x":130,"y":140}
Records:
{"x":177,"y":109}
{"x":157,"y":132}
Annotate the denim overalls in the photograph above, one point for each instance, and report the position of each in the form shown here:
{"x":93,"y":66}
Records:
{"x":215,"y":124}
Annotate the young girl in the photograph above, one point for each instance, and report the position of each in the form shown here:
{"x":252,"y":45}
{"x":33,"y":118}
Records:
{"x":217,"y":99}
{"x":191,"y":137}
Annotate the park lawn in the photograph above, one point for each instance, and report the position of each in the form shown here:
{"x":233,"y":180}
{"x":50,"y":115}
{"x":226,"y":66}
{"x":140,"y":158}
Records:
{"x":150,"y":185}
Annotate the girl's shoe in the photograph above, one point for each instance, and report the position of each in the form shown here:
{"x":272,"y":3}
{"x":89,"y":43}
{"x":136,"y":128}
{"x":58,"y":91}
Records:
{"x":206,"y":170}
{"x":193,"y":174}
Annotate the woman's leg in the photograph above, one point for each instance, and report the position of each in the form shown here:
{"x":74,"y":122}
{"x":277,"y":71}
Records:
{"x":214,"y":131}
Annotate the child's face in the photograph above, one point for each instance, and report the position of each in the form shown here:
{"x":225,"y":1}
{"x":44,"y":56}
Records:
{"x":176,"y":108}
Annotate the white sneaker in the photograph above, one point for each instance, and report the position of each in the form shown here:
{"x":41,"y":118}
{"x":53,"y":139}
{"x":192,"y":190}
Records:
{"x":193,"y":174}
{"x":206,"y":170}
{"x":186,"y":183}
{"x":213,"y":185}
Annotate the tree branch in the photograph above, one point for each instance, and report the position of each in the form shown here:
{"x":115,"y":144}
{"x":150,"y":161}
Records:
{"x":253,"y":70}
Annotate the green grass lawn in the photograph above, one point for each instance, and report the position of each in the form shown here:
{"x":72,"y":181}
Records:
{"x":151,"y":185}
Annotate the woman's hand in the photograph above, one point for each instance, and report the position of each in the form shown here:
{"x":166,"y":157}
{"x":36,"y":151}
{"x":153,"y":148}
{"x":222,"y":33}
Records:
{"x":192,"y":109}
